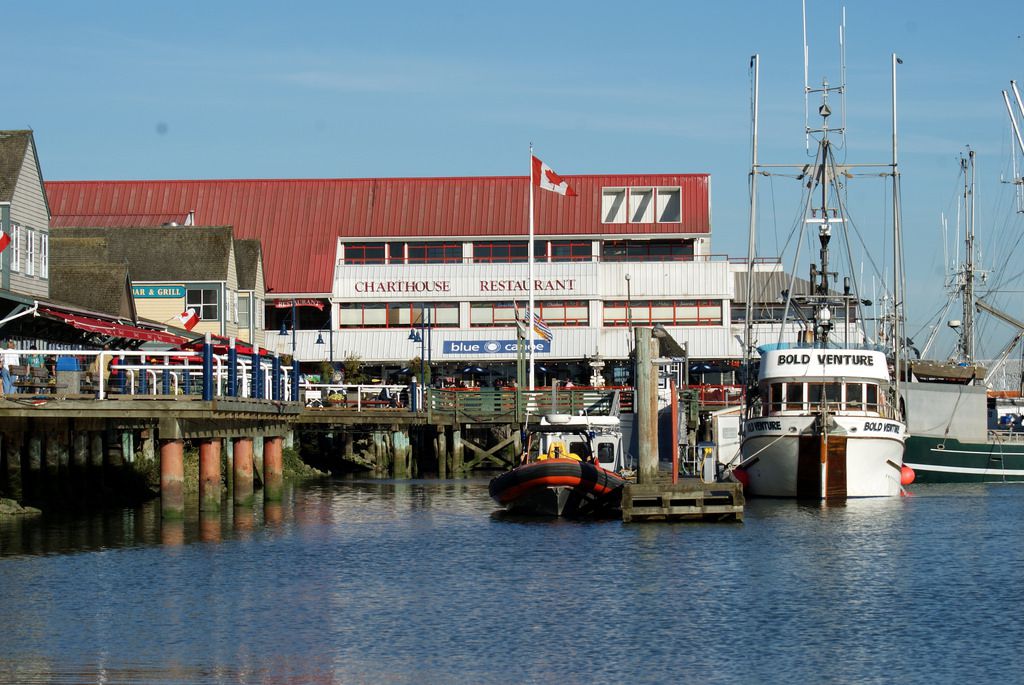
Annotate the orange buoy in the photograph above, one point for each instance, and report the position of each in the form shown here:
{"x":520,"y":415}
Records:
{"x":907,"y":475}
{"x":742,"y":476}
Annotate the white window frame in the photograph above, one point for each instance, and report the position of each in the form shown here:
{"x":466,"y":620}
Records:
{"x":608,"y":197}
{"x":30,"y":252}
{"x":16,"y":248}
{"x":44,"y":255}
{"x":635,"y":201}
{"x":662,"y":196}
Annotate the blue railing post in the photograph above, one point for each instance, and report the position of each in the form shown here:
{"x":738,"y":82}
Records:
{"x":167,"y":376}
{"x":413,"y":399}
{"x":232,"y":369}
{"x":143,"y":377}
{"x":295,"y":379}
{"x":256,"y":387}
{"x":275,"y":375}
{"x":207,"y":368}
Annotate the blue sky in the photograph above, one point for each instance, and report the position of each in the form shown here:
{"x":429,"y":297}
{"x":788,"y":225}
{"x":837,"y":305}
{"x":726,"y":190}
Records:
{"x":342,"y":89}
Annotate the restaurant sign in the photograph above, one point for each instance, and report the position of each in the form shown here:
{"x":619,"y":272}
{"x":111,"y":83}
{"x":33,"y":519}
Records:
{"x":491,"y":346}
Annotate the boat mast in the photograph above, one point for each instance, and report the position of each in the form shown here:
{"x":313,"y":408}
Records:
{"x":967,"y":273}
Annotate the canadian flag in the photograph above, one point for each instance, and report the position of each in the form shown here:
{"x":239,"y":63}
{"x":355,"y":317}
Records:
{"x":189,"y":319}
{"x":544,"y":177}
{"x":5,"y":240}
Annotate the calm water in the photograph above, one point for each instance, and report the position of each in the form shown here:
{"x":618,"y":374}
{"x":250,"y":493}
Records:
{"x":417,"y":582}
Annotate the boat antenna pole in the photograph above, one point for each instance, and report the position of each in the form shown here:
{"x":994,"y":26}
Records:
{"x":1017,"y":180}
{"x":897,"y":239}
{"x":751,"y":235}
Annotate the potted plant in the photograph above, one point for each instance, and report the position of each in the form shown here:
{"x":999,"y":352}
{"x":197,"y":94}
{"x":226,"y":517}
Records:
{"x":335,"y":399}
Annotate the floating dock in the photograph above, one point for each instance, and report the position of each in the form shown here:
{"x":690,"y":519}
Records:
{"x":690,"y":499}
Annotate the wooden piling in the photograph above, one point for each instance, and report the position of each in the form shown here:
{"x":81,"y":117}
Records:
{"x":12,"y":453}
{"x":441,"y":450}
{"x":242,"y":472}
{"x":457,"y":454}
{"x":80,"y":452}
{"x":646,"y":406}
{"x":172,"y":478}
{"x":273,"y":469}
{"x":209,"y":475}
{"x":401,"y":453}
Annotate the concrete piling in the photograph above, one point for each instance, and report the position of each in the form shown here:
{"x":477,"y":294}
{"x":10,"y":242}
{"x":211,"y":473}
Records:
{"x":172,"y":478}
{"x":273,"y":469}
{"x":242,"y":472}
{"x":209,"y":475}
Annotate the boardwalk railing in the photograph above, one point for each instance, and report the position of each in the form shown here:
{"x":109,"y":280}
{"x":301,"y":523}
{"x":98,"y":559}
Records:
{"x":508,"y":405}
{"x":107,"y":373}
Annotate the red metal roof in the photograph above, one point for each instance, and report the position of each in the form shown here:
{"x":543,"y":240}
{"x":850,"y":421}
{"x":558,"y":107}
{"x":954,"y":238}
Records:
{"x":117,"y":220}
{"x":299,"y":221}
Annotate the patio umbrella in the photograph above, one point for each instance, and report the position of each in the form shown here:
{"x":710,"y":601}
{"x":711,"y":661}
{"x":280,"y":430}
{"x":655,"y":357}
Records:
{"x":473,"y":370}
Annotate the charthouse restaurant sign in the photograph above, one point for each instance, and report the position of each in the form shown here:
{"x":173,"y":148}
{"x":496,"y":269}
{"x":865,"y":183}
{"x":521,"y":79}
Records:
{"x":540,"y":285}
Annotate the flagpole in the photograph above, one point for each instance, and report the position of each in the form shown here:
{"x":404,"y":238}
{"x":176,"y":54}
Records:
{"x":529,"y":252}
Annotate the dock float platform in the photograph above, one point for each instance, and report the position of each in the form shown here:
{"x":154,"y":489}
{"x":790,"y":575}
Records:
{"x":690,"y":499}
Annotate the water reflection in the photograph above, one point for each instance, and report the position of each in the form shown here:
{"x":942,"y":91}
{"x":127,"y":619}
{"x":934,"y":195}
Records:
{"x":421,"y":581}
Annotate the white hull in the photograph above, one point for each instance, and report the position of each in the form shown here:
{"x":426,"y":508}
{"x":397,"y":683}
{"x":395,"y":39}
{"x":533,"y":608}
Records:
{"x":866,"y":458}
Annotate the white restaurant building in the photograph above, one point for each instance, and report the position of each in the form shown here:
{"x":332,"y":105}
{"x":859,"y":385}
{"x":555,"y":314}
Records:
{"x":375,"y":254}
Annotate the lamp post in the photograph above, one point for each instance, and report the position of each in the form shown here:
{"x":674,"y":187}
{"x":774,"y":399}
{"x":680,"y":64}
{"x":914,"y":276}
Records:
{"x":629,"y":325}
{"x":423,"y":338}
{"x":320,"y":340}
{"x":295,"y":361}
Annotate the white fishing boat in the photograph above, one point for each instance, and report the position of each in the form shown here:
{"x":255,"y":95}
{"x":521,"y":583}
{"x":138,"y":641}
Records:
{"x":821,"y":420}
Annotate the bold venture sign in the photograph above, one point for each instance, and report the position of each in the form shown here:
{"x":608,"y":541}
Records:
{"x":491,"y":346}
{"x":818,"y":363}
{"x":176,"y":291}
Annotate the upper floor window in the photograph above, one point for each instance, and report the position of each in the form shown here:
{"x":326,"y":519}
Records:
{"x":364,"y":253}
{"x":641,"y":205}
{"x":564,"y":312}
{"x":668,"y":312}
{"x":485,"y":314}
{"x":30,"y":252}
{"x":17,"y":246}
{"x":503,"y":251}
{"x":244,"y":305}
{"x":571,"y":250}
{"x":647,"y":250}
{"x":205,"y":301}
{"x":397,"y":315}
{"x":44,"y":255}
{"x":434,"y":253}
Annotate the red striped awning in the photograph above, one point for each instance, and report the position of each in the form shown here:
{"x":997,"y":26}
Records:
{"x":114,"y":329}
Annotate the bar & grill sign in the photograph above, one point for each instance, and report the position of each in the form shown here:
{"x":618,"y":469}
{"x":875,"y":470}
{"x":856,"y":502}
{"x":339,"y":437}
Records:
{"x":159,"y":291}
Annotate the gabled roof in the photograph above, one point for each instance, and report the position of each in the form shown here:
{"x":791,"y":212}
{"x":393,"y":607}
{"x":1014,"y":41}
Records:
{"x":97,"y":286}
{"x":299,"y":221}
{"x":14,"y":145}
{"x":247,"y":261}
{"x":178,"y":253}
